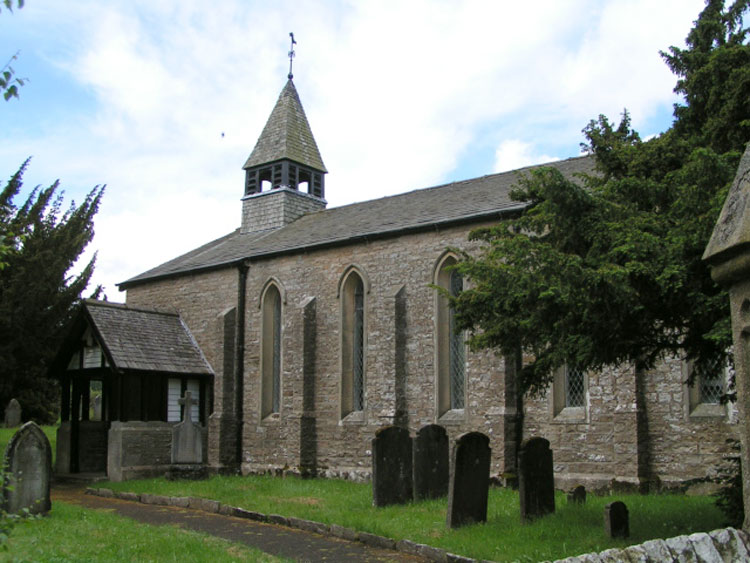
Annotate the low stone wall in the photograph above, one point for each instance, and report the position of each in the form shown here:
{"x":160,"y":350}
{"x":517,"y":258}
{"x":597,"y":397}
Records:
{"x":726,"y":544}
{"x":139,"y":450}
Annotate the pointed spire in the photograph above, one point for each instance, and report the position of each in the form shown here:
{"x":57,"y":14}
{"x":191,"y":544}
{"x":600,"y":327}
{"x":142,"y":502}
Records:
{"x":287,"y":135}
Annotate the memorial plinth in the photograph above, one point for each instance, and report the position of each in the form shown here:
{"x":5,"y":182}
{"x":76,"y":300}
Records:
{"x":728,"y":254}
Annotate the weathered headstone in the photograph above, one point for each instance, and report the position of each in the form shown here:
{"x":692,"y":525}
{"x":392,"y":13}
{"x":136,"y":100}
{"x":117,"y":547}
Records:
{"x":431,"y":462}
{"x":12,"y":414}
{"x":469,"y":480}
{"x":97,"y":407}
{"x":536,"y":480}
{"x":187,"y":445}
{"x":28,"y":466}
{"x":616,"y":520}
{"x":391,"y":466}
{"x":577,"y":495}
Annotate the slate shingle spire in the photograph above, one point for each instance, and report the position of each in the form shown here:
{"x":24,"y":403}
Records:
{"x":286,"y":154}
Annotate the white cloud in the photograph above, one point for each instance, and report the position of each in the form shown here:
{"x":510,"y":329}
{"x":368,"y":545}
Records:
{"x":513,"y":154}
{"x":400,"y":95}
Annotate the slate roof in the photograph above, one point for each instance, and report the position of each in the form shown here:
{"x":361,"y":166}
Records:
{"x":287,"y":135}
{"x":143,"y":340}
{"x":468,"y":201}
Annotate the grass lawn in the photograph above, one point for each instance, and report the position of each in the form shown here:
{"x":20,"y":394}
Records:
{"x":71,"y":533}
{"x":572,"y":530}
{"x":50,"y":431}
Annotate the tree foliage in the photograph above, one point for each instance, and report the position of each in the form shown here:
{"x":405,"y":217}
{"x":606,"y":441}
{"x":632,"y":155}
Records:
{"x":607,"y":269}
{"x":37,"y":289}
{"x":9,"y":82}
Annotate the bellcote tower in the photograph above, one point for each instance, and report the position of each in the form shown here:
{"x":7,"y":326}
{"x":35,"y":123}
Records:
{"x":284,"y":175}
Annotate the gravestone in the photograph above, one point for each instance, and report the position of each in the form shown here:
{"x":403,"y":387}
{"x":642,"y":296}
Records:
{"x":469,"y":480}
{"x":536,"y":481}
{"x":431,"y":462}
{"x":187,"y":445}
{"x":28,"y":463}
{"x":12,"y":414}
{"x":577,"y":495}
{"x":97,"y":408}
{"x":616,"y":520}
{"x":391,"y":466}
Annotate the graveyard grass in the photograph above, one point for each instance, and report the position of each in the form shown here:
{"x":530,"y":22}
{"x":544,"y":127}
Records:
{"x":91,"y":535}
{"x":7,"y":433}
{"x":572,"y":530}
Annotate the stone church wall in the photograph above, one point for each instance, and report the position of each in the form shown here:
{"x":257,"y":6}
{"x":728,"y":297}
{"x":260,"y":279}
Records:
{"x":634,"y":441}
{"x":343,"y":446}
{"x":636,"y":432}
{"x":203,"y":300}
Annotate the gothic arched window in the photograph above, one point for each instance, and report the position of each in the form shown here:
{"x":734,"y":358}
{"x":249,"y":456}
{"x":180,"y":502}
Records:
{"x":270,"y":352}
{"x":451,"y":347}
{"x":352,"y":344}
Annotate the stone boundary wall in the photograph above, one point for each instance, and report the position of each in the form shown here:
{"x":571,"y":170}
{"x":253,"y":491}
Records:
{"x":139,"y":450}
{"x":726,"y":544}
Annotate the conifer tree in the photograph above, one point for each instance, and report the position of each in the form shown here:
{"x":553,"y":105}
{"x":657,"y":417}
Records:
{"x":37,"y":289}
{"x":608,"y":269}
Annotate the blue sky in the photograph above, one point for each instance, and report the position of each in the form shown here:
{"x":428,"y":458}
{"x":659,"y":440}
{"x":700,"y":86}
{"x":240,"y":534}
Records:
{"x":400,"y":94}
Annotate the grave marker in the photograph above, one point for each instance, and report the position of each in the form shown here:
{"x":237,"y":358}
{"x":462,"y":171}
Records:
{"x":12,"y":414}
{"x":617,"y":520}
{"x":28,"y":463}
{"x":97,"y":408}
{"x":469,"y":480}
{"x":391,"y":466}
{"x":431,"y":462}
{"x":577,"y":495}
{"x":187,"y":445}
{"x":536,"y":480}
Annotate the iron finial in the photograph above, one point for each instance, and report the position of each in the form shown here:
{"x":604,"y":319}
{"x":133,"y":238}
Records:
{"x":291,"y":55}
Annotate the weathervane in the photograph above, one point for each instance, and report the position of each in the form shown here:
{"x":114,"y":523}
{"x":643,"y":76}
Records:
{"x":291,"y":55}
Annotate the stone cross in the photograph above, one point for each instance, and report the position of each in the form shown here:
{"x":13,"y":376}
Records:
{"x":187,"y":438}
{"x":187,"y":402}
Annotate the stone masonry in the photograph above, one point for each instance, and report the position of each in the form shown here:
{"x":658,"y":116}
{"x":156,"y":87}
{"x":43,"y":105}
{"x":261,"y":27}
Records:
{"x":602,"y":449}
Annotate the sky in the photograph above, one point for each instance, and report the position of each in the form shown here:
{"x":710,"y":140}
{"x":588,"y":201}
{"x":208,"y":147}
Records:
{"x":163,"y":100}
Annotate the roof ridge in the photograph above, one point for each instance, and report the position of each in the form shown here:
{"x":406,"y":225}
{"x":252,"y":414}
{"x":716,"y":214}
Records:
{"x":125,"y":306}
{"x":454,"y":183}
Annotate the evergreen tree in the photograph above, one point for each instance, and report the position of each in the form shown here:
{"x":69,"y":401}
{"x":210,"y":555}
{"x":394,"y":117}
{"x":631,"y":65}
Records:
{"x":37,"y":291}
{"x":608,"y":269}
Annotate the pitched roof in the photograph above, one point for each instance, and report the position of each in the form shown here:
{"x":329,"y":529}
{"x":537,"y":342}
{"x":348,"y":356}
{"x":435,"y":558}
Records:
{"x":143,"y":340}
{"x":287,"y":134}
{"x":479,"y":199}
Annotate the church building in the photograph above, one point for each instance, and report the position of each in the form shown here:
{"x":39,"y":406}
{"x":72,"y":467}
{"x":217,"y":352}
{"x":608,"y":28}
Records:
{"x":321,"y":326}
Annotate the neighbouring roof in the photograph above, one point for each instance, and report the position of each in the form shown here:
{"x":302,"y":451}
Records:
{"x":479,"y":199}
{"x":732,"y":231}
{"x":138,"y":339}
{"x":287,"y":135}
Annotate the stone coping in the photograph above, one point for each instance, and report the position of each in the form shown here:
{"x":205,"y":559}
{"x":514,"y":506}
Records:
{"x":726,"y":544}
